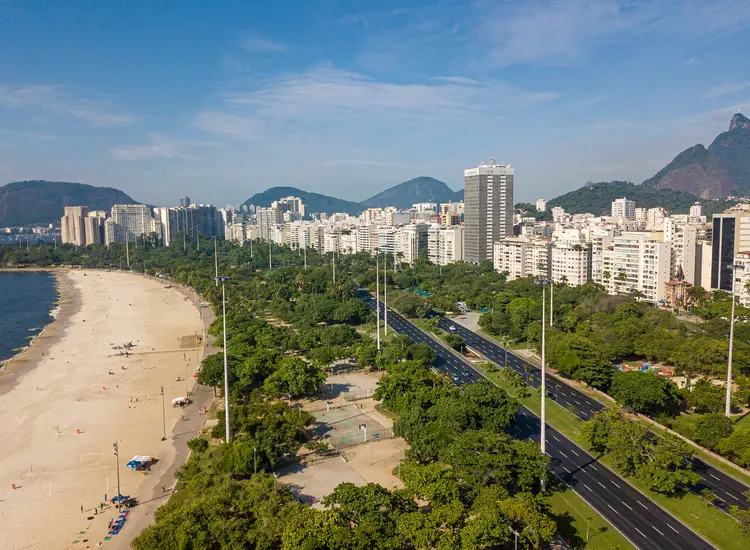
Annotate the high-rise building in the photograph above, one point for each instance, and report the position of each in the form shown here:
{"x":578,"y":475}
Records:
{"x":522,"y":257}
{"x":410,"y":239}
{"x":637,"y":261}
{"x":72,"y":225}
{"x":184,"y":202}
{"x":93,"y":225}
{"x":488,"y":208}
{"x":623,"y":208}
{"x":129,"y":222}
{"x":731,"y":235}
{"x":266,"y":219}
{"x":541,"y":205}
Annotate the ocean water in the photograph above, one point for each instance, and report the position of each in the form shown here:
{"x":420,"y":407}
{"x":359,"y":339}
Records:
{"x":26,"y":300}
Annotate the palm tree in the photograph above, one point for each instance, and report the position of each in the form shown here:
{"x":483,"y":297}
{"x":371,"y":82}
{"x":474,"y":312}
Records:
{"x":505,"y":344}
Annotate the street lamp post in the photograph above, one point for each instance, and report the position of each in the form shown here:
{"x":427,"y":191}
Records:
{"x":543,"y":430}
{"x":551,"y":303}
{"x":223,"y":281}
{"x":116,"y":446}
{"x":163,"y":415}
{"x":385,"y":291}
{"x":728,"y":404}
{"x":377,"y":293}
{"x":216,"y":261}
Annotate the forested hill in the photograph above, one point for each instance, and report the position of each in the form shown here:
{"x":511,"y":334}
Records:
{"x":597,"y":198}
{"x":30,"y":202}
{"x":314,"y":202}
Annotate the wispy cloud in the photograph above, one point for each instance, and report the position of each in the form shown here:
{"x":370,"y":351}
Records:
{"x":355,"y":162}
{"x":56,"y":101}
{"x":258,"y":44}
{"x":160,"y":147}
{"x":561,"y":31}
{"x":727,"y":89}
{"x":330,"y":98}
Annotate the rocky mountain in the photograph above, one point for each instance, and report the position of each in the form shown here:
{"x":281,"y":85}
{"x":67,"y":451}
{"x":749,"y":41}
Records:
{"x":718,"y":171}
{"x":403,"y":195}
{"x":314,"y":202}
{"x":596,"y":198}
{"x":31,"y":202}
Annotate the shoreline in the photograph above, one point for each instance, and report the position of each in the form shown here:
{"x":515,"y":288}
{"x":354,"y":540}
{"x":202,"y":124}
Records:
{"x":61,"y":410}
{"x":64,"y":307}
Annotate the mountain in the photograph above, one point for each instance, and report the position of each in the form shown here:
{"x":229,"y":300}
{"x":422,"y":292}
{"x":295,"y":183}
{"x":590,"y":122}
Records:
{"x":403,"y":195}
{"x":719,"y":171}
{"x":30,"y":202}
{"x":597,"y":198}
{"x":458,"y":196}
{"x":314,"y":202}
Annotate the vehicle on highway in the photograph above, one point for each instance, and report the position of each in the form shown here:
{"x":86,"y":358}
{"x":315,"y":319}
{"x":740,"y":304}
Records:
{"x":453,"y":328}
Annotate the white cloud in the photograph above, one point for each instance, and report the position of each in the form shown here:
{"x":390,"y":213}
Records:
{"x":160,"y":147}
{"x":327,"y":98}
{"x":560,"y":31}
{"x":727,"y":89}
{"x":381,"y":163}
{"x":54,"y":100}
{"x":257,"y":44}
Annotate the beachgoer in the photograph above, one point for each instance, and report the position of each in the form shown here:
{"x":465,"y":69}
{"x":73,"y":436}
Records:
{"x":82,"y":508}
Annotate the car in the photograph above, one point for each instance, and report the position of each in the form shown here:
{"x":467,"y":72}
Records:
{"x":467,"y":374}
{"x":453,"y":328}
{"x":455,"y":377}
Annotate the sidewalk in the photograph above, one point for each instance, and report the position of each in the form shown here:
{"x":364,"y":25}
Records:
{"x":163,"y":475}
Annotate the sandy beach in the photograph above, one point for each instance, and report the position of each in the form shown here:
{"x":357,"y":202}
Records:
{"x":70,"y":396}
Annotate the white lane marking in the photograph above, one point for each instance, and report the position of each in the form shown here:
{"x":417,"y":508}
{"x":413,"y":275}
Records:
{"x":615,"y":484}
{"x":594,"y":467}
{"x":555,"y":438}
{"x":575,"y":453}
{"x":562,"y":453}
{"x":672,"y":528}
{"x":636,"y":528}
{"x":734,"y":497}
{"x":600,"y":483}
{"x":564,"y":468}
{"x":639,"y":502}
{"x":615,"y":511}
{"x":655,"y":529}
{"x":626,"y":506}
{"x":713,"y":476}
{"x":587,"y":487}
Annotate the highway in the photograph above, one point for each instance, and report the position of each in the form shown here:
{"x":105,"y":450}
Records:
{"x":727,"y":490}
{"x":646,"y":525}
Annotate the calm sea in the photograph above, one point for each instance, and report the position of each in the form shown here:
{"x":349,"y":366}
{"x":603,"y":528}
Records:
{"x":26,"y":300}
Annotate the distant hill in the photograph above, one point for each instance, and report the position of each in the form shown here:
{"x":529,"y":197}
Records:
{"x":717,"y":172}
{"x":458,"y":196}
{"x":403,"y":195}
{"x":597,"y":198}
{"x":314,"y":202}
{"x":31,"y":202}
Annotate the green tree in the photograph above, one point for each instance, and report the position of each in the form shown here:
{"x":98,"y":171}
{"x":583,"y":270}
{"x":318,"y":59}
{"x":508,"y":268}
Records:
{"x":294,"y":378}
{"x":645,"y":392}
{"x":711,"y":428}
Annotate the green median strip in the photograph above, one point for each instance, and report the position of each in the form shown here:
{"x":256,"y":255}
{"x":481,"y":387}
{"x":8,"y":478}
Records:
{"x":716,"y":526}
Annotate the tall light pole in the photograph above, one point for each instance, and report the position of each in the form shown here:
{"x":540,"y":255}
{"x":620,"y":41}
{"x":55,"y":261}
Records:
{"x":333,"y":261}
{"x":377,"y":293}
{"x":127,"y":249}
{"x":116,"y":446}
{"x":223,"y":280}
{"x":216,"y":261}
{"x":385,"y":291}
{"x":305,"y":255}
{"x":543,"y":430}
{"x":163,"y":415}
{"x":551,"y":303}
{"x":270,"y":266}
{"x":728,"y":404}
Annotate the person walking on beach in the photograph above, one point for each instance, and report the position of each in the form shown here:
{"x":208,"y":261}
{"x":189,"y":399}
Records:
{"x":82,"y":508}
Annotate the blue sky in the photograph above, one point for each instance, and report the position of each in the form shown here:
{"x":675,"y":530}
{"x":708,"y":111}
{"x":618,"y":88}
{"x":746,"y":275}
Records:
{"x":223,"y":99}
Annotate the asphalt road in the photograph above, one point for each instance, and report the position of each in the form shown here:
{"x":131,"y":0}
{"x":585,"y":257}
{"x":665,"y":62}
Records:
{"x":727,"y":490}
{"x":646,"y":525}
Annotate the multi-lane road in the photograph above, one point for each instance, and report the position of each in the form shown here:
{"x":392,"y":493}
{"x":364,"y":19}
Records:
{"x":645,"y":524}
{"x":726,"y":489}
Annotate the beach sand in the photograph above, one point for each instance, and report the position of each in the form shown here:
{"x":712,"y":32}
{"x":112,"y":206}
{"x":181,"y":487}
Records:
{"x":61,"y":410}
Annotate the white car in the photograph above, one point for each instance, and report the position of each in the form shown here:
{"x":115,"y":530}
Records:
{"x":453,"y":328}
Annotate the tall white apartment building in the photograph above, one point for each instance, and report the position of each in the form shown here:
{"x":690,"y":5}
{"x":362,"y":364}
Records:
{"x":637,"y":261}
{"x":266,"y":218}
{"x":696,"y":211}
{"x":601,"y":239}
{"x":386,"y":239}
{"x":570,"y":257}
{"x":742,"y":278}
{"x":445,"y":244}
{"x":541,"y":205}
{"x":409,"y":240}
{"x":488,"y":216}
{"x":367,"y":238}
{"x":558,"y":214}
{"x":683,"y":241}
{"x":348,"y":241}
{"x":72,"y":225}
{"x":623,"y":208}
{"x":522,"y":257}
{"x":129,"y":222}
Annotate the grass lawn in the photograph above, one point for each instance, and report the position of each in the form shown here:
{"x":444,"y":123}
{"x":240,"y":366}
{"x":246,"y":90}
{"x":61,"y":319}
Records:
{"x":571,"y":511}
{"x":742,"y":423}
{"x":710,"y":522}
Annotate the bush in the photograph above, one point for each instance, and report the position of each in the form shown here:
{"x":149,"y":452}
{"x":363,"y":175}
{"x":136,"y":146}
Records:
{"x":198,"y":445}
